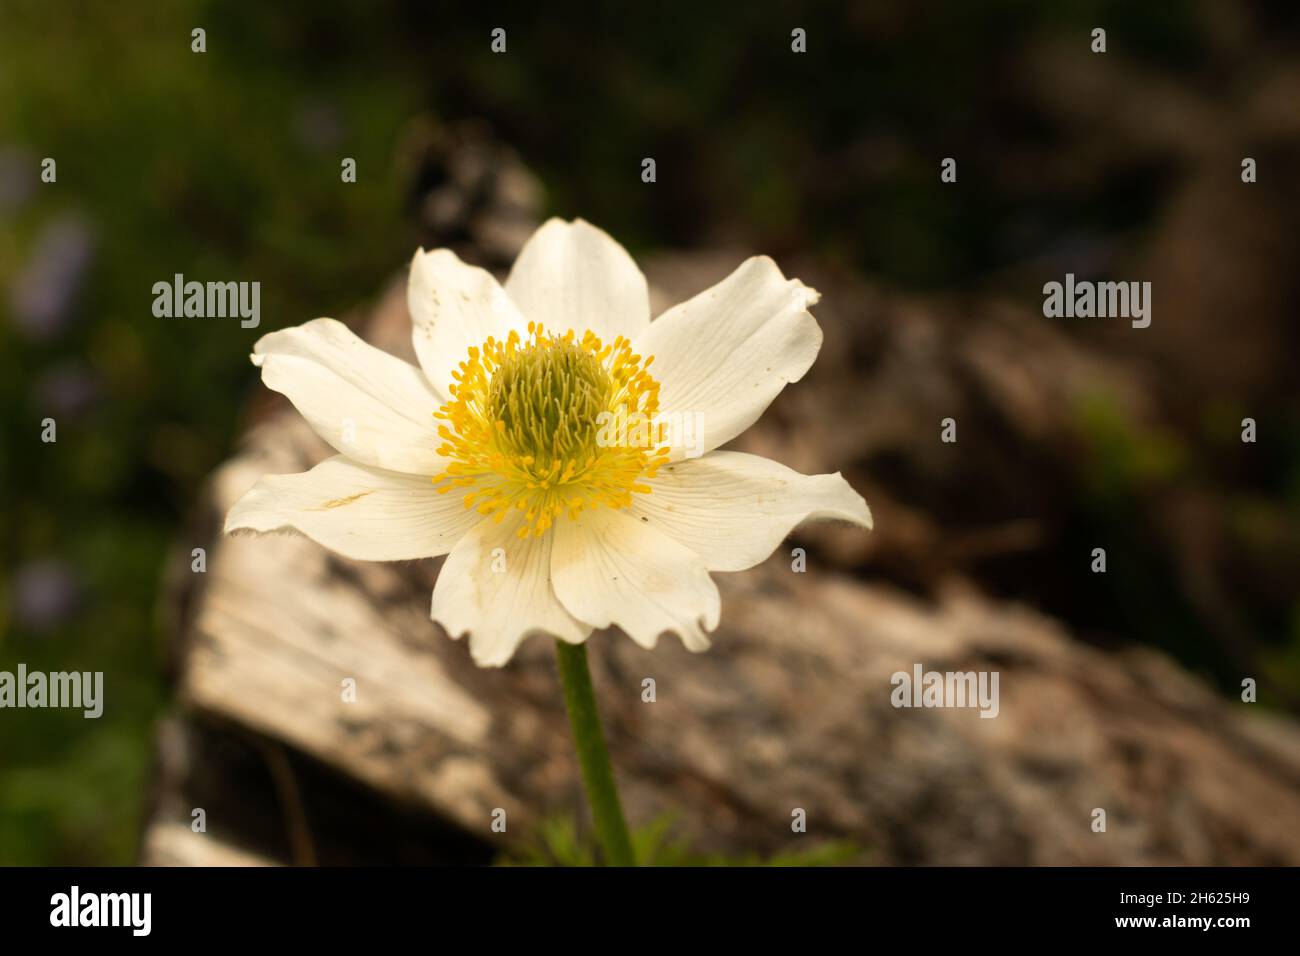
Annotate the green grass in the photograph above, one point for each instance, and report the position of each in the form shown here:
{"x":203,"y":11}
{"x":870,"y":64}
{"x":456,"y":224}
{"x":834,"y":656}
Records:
{"x":557,"y":842}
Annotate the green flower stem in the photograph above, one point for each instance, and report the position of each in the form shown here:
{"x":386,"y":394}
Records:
{"x":597,"y":774}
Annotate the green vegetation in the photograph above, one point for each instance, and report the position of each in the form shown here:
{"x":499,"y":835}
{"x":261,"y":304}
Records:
{"x":556,"y":842}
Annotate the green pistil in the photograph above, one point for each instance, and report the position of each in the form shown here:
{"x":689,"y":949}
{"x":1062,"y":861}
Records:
{"x":549,"y":395}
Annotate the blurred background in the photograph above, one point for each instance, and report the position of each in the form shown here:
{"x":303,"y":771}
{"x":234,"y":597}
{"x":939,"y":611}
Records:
{"x":1074,"y":433}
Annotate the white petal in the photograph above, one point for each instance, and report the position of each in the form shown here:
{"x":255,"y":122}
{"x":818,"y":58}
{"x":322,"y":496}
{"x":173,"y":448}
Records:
{"x":501,"y":597}
{"x":571,"y":275}
{"x":610,"y":568}
{"x":370,"y":405}
{"x":358,"y":511}
{"x":454,"y":306}
{"x":733,"y":509}
{"x":723,"y":355}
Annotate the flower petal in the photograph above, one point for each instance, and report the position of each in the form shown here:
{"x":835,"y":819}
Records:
{"x":571,"y":275}
{"x":726,"y":353}
{"x":733,"y":509}
{"x":610,"y":568}
{"x":370,"y":405}
{"x":501,"y":596}
{"x":360,"y":512}
{"x":454,"y":306}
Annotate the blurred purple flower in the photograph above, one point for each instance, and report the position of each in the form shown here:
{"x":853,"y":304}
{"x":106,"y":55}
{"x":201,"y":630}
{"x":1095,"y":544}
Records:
{"x":45,"y":290}
{"x":19,"y":172}
{"x":45,"y":594}
{"x":69,"y":389}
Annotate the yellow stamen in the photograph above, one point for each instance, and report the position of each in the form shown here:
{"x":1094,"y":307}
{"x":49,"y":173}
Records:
{"x":525,"y":427}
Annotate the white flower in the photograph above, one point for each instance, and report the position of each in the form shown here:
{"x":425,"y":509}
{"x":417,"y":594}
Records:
{"x":488,"y":451}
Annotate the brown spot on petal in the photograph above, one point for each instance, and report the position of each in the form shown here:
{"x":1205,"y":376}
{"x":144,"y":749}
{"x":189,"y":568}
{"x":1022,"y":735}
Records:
{"x":340,"y":502}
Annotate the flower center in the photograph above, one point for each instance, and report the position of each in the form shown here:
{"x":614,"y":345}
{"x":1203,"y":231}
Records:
{"x":527,"y":427}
